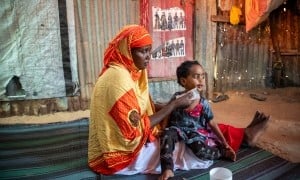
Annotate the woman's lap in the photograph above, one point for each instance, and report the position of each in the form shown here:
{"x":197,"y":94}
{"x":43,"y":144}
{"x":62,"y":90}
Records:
{"x":148,"y":161}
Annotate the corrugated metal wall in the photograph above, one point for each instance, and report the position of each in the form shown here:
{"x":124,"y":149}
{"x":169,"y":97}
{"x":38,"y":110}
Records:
{"x":97,"y":22}
{"x":242,"y":58}
{"x":233,"y":58}
{"x":245,"y":60}
{"x":287,"y":30}
{"x":162,"y":91}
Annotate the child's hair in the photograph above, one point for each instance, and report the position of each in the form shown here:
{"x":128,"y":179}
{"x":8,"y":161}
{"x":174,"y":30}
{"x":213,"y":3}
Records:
{"x":183,"y":70}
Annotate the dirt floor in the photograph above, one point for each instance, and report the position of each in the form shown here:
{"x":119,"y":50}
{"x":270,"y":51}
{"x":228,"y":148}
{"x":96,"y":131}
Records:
{"x":282,"y":136}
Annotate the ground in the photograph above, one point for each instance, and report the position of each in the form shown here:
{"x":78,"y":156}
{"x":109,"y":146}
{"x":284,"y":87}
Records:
{"x":282,"y":136}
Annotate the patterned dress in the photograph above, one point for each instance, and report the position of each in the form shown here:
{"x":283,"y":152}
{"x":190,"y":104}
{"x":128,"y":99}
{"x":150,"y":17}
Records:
{"x":192,"y":128}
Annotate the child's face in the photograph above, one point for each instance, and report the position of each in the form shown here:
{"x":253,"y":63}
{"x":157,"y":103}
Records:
{"x":195,"y":79}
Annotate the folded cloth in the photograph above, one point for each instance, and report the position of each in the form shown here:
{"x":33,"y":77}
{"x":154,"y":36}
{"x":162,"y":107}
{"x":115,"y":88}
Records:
{"x":148,"y":161}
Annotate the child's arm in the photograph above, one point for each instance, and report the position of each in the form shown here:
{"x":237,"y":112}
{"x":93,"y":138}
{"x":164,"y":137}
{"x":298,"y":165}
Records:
{"x":215,"y":128}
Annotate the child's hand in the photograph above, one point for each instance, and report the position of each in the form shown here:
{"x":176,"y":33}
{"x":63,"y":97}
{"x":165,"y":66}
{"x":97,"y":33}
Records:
{"x":229,"y":153}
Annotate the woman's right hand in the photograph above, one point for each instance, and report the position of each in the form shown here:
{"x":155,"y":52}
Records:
{"x":184,"y":100}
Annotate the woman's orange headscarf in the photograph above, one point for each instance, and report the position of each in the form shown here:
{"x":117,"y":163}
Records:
{"x":119,"y":49}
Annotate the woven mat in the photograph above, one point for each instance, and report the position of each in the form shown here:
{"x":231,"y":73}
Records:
{"x":59,"y":151}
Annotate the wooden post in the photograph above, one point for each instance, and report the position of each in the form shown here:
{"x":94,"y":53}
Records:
{"x":277,"y":65}
{"x":205,"y":39}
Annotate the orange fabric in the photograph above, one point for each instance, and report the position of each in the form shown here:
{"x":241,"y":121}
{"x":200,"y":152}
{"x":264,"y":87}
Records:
{"x":131,"y":36}
{"x":234,"y":136}
{"x":141,"y":38}
{"x":257,"y":11}
{"x":112,"y":162}
{"x":119,"y":112}
{"x":114,"y":142}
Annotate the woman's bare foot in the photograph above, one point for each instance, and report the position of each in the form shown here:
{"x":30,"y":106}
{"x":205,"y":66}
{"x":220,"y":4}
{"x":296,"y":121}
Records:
{"x":166,"y":174}
{"x":258,"y":117}
{"x":253,"y":132}
{"x":254,"y":120}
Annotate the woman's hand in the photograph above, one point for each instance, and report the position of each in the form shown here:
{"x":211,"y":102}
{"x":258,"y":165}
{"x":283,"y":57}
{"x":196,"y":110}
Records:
{"x":184,"y":100}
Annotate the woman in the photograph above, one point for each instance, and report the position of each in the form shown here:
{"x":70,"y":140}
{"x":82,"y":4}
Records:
{"x":122,"y":114}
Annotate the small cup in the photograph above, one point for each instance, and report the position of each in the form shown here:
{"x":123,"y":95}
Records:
{"x":220,"y":173}
{"x":196,"y":94}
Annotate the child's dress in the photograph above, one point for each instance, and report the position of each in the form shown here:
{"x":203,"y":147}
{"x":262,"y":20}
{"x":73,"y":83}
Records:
{"x":192,"y":128}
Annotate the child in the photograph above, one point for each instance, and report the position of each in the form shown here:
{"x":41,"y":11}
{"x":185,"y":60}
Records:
{"x":195,"y":125}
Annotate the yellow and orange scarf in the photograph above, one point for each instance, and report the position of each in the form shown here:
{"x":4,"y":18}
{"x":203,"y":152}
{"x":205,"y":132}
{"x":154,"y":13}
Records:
{"x":119,"y":50}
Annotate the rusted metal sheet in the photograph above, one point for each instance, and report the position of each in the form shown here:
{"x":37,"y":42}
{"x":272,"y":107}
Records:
{"x":232,"y":58}
{"x":245,"y":60}
{"x":242,"y":58}
{"x":97,"y":22}
{"x":162,"y":91}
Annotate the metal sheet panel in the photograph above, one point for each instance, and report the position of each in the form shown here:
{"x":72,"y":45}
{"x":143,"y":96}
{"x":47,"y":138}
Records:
{"x":97,"y":22}
{"x":245,"y":60}
{"x":162,"y":91}
{"x":242,"y":58}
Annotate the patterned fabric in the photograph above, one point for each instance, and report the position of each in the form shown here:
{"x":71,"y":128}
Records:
{"x":190,"y":122}
{"x":121,"y":90}
{"x":193,"y":122}
{"x":169,"y":140}
{"x":191,"y":127}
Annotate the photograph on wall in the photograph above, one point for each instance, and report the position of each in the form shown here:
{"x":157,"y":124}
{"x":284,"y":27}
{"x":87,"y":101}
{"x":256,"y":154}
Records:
{"x":170,"y":24}
{"x":172,"y":48}
{"x":168,"y":19}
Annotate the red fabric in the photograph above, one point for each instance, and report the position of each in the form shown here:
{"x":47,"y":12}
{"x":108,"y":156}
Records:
{"x":106,"y":165}
{"x":234,"y":136}
{"x":144,"y":16}
{"x":196,"y":111}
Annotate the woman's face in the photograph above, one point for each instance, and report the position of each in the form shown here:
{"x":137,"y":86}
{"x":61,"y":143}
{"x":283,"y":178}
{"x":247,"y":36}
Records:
{"x":141,"y":56}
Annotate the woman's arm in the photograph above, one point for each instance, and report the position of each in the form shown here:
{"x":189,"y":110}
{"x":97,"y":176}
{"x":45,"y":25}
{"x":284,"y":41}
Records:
{"x":168,"y":108}
{"x":159,"y":106}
